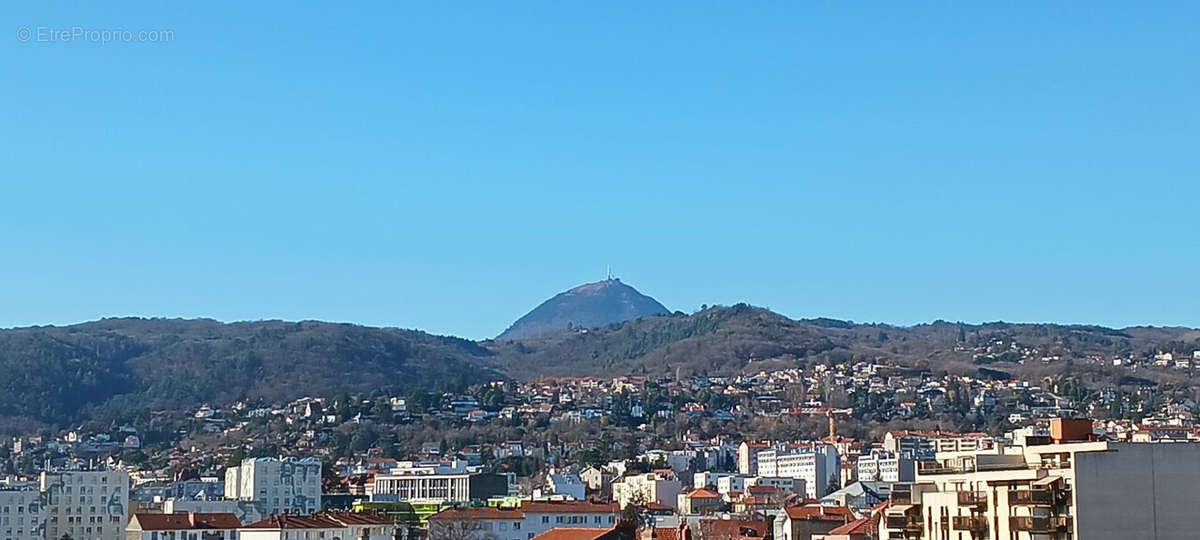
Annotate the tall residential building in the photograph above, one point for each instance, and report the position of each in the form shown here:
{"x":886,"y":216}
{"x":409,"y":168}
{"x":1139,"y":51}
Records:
{"x":747,"y":456}
{"x":86,"y":505}
{"x":21,"y":512}
{"x":884,"y":466}
{"x":819,"y":467}
{"x":1067,"y":487}
{"x":276,"y":485}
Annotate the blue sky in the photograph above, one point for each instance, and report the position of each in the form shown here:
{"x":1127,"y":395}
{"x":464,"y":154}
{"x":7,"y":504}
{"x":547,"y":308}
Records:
{"x":449,"y":167}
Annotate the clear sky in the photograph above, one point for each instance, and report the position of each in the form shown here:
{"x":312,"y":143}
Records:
{"x":448,"y":166}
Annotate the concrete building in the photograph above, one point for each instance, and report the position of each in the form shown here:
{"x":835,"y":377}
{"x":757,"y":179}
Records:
{"x":1068,"y":487}
{"x":650,"y":487}
{"x":21,"y":513}
{"x":596,"y":479}
{"x":276,"y":485}
{"x":747,"y":456}
{"x":436,"y":484}
{"x":885,"y":466}
{"x":926,"y":443}
{"x":570,"y":486}
{"x":819,"y":467}
{"x":188,"y":526}
{"x":86,"y":505}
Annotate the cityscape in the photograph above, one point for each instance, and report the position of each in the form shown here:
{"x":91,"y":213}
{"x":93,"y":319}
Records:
{"x":672,"y":270}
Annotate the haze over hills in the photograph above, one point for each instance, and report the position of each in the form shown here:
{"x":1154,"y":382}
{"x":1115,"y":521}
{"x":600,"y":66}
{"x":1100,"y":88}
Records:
{"x":586,"y":306}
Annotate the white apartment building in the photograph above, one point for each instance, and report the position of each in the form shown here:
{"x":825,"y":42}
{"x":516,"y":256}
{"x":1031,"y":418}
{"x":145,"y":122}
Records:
{"x":570,"y":486}
{"x":816,"y":467}
{"x":647,"y":488}
{"x":86,"y":505}
{"x":884,"y":466}
{"x":926,"y":443}
{"x":1068,"y":488}
{"x":21,"y":512}
{"x":747,"y":457}
{"x":276,"y":485}
{"x":531,"y":519}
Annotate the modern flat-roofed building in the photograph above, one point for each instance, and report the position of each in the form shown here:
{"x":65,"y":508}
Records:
{"x":1069,"y":487}
{"x":276,"y":485}
{"x":21,"y":512}
{"x":436,"y":484}
{"x":86,"y":505}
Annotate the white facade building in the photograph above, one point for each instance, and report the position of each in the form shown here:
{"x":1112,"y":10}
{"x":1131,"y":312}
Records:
{"x":86,"y":505}
{"x":646,"y":488}
{"x":817,"y":467}
{"x":21,"y":514}
{"x":884,"y":466}
{"x":276,"y":485}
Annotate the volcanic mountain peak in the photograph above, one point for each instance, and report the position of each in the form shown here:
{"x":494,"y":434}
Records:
{"x":589,"y":305}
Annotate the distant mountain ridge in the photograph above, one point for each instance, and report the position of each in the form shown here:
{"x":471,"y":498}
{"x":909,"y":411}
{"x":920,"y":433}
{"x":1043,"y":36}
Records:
{"x":589,"y":305}
{"x":112,"y":369}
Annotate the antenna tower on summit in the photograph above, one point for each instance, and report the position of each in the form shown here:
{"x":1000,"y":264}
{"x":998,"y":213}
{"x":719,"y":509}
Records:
{"x":609,"y":273}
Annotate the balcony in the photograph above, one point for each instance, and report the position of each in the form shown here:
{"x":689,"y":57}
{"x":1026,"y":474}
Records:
{"x":1040,"y":524}
{"x":969,"y":523}
{"x":902,"y":523}
{"x":972,"y":498}
{"x":1031,"y":497}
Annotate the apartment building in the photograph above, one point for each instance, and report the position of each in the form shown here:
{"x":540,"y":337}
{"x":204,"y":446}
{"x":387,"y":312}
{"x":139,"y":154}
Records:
{"x":927,"y":443}
{"x":1066,"y":487}
{"x":21,"y":512}
{"x":884,"y":466}
{"x":532,"y":518}
{"x":819,"y":467}
{"x":652,"y":487}
{"x":747,"y":456}
{"x":276,"y":485}
{"x":436,"y":484}
{"x":85,"y":505}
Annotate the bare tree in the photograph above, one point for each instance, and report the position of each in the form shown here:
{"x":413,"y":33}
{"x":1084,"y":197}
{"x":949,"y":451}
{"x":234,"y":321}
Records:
{"x":458,"y":529}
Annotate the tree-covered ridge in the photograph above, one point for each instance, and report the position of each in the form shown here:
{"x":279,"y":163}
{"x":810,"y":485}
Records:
{"x":58,"y":375}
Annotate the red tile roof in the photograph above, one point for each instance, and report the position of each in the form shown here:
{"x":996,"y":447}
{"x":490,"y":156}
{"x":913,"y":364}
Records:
{"x":820,"y":513}
{"x":324,"y":520}
{"x":732,"y":528}
{"x":858,"y":526}
{"x":573,"y":533}
{"x":189,"y":521}
{"x":701,"y":493}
